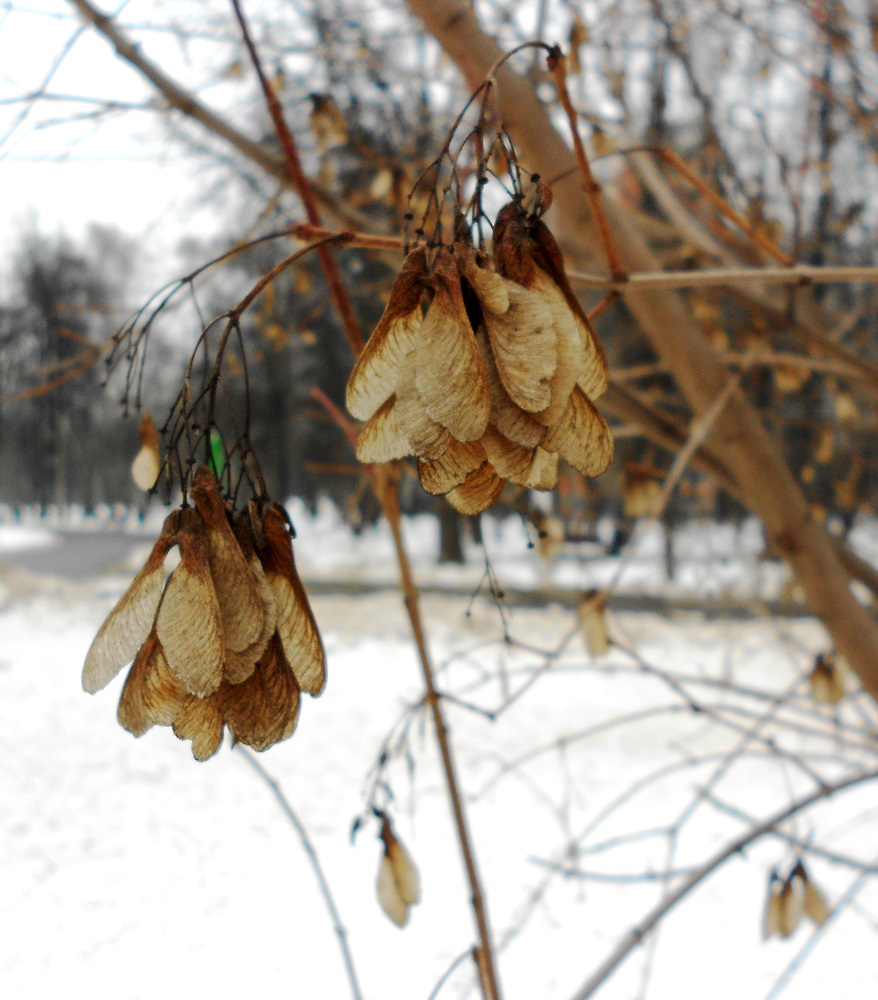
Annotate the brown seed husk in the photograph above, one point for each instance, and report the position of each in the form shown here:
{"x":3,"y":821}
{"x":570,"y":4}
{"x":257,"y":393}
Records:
{"x":449,"y":373}
{"x":478,"y":491}
{"x":459,"y":460}
{"x":582,"y":437}
{"x":263,"y":709}
{"x":201,"y":721}
{"x":376,"y":373}
{"x":188,"y":624}
{"x":129,"y":623}
{"x":382,"y":439}
{"x":296,"y":627}
{"x":240,"y":603}
{"x":491,"y":289}
{"x":152,"y":695}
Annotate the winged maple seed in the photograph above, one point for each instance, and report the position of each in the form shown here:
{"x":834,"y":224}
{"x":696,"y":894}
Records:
{"x":399,"y":885}
{"x":495,"y":380}
{"x":228,"y":640}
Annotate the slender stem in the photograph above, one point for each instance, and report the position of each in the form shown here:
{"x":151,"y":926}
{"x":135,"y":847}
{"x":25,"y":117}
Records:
{"x":386,"y":489}
{"x":558,"y":69}
{"x":289,"y":812}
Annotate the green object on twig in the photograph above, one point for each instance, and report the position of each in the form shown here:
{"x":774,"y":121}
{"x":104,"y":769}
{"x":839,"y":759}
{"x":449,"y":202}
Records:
{"x":216,"y":453}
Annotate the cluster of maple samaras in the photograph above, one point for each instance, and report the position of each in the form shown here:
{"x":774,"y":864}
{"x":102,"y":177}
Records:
{"x":228,"y":639}
{"x":495,"y":380}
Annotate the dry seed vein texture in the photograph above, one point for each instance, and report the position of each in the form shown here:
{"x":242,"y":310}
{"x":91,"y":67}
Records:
{"x":495,"y":380}
{"x":228,"y":640}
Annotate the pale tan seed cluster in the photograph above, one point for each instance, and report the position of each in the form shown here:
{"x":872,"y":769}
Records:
{"x":495,"y":380}
{"x":227,"y":640}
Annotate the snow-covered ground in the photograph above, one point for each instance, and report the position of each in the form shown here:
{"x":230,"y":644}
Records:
{"x":129,"y":871}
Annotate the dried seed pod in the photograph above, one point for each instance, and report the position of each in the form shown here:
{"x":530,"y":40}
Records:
{"x":147,"y":463}
{"x":477,"y":492}
{"x":785,"y":905}
{"x":826,"y":680}
{"x":398,"y":881}
{"x":593,"y":621}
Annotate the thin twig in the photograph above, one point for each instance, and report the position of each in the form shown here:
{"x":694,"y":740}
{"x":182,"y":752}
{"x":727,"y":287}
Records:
{"x":290,"y":813}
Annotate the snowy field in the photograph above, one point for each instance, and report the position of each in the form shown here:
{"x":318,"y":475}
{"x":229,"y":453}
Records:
{"x":131,"y":872}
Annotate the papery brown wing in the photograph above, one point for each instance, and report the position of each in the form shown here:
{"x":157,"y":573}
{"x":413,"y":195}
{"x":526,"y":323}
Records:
{"x":478,"y":491}
{"x":569,"y":350}
{"x":428,"y":439}
{"x":240,"y":665}
{"x":296,"y":626}
{"x":459,"y":460}
{"x":152,"y":695}
{"x":449,"y":373}
{"x":523,"y":343}
{"x":129,"y":623}
{"x":201,"y":721}
{"x":382,"y":438}
{"x":240,"y":603}
{"x":399,"y":885}
{"x":188,"y":623}
{"x":510,"y":460}
{"x":376,"y":373}
{"x":509,"y":419}
{"x":263,"y":710}
{"x":582,"y":437}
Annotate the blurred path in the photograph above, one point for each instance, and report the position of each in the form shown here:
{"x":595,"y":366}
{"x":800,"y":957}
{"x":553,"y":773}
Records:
{"x":78,"y":555}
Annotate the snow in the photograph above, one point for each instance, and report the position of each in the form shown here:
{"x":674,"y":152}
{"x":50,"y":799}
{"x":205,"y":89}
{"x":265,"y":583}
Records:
{"x":134,"y":872}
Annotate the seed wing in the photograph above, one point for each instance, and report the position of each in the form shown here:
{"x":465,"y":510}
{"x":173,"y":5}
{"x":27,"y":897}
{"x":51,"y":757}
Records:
{"x":523,"y":343}
{"x":477,"y":492}
{"x":263,"y":709}
{"x":376,"y":373}
{"x":449,"y":374}
{"x":296,"y":627}
{"x":427,"y":439}
{"x":240,"y":603}
{"x":582,"y":437}
{"x":382,"y":439}
{"x":131,"y":620}
{"x":188,"y":624}
{"x":152,"y":695}
{"x":201,"y":721}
